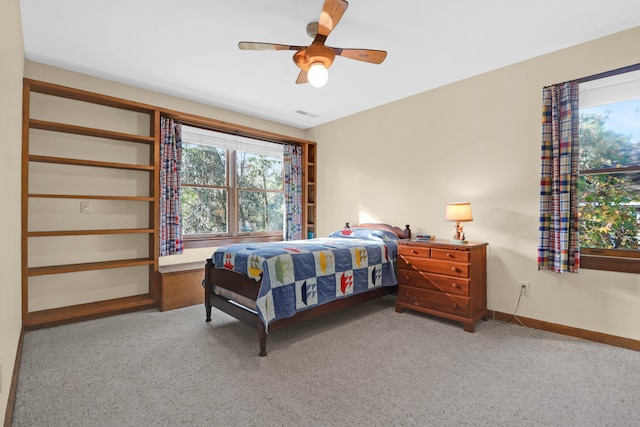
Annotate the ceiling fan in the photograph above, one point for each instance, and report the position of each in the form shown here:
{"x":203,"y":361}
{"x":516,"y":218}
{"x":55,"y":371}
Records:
{"x":315,"y":59}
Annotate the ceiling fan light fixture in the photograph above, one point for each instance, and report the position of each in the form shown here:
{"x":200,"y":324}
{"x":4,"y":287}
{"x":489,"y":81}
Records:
{"x":314,"y":60}
{"x":317,"y":74}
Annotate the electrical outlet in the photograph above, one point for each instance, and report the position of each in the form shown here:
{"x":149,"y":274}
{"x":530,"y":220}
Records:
{"x":525,"y":289}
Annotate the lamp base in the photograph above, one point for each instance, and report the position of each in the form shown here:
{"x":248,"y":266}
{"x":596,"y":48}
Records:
{"x":459,"y":234}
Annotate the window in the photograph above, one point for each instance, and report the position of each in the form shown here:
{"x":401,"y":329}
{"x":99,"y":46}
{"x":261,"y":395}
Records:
{"x":231,"y":187}
{"x":609,"y":181}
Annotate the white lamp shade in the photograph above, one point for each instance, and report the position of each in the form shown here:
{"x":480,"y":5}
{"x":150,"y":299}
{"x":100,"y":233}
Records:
{"x":458,"y":211}
{"x":317,"y":75}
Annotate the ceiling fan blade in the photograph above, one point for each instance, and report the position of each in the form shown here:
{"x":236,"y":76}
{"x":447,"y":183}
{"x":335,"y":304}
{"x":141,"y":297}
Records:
{"x":365,"y":55}
{"x":302,"y":78}
{"x":332,"y":11}
{"x":267,"y":46}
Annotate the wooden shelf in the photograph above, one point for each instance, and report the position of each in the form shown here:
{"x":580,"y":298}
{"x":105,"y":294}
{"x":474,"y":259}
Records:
{"x":81,"y":130}
{"x":88,"y":266}
{"x":81,"y":95}
{"x":56,"y":316}
{"x":89,"y":232}
{"x":91,"y":163}
{"x":93,"y":196}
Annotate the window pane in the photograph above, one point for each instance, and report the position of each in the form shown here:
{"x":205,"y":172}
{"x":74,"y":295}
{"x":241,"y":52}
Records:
{"x":610,"y":135}
{"x":203,"y":165}
{"x":258,"y":171}
{"x":609,"y":209}
{"x":204,"y":210}
{"x":260,"y":211}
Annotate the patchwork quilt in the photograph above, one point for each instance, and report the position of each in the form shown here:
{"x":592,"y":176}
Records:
{"x":300,"y":274}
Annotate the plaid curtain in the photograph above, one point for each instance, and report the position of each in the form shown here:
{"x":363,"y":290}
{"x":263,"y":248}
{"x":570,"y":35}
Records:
{"x":292,"y":160}
{"x":170,"y":210}
{"x":558,"y":248}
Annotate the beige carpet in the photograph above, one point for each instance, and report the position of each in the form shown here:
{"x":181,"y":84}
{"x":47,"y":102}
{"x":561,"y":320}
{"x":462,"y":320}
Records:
{"x":366,"y":366}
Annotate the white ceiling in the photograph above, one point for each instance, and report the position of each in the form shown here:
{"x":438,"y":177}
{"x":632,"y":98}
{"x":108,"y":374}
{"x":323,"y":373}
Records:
{"x":189,"y":48}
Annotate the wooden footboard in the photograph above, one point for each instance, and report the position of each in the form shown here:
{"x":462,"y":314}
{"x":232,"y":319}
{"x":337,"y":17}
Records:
{"x":235,"y":283}
{"x":248,"y":288}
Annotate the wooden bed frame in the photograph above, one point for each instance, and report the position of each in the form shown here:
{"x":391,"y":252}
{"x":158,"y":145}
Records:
{"x":236,"y":294}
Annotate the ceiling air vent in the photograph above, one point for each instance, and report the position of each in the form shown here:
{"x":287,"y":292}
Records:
{"x":305,"y":113}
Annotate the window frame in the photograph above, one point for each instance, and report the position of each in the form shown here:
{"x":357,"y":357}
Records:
{"x":618,"y":260}
{"x":214,"y":240}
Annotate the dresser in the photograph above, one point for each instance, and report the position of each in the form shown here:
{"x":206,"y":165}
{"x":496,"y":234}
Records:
{"x":443,"y":279}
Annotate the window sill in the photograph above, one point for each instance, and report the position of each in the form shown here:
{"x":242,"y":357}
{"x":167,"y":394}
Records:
{"x":208,"y":242}
{"x":610,"y":263}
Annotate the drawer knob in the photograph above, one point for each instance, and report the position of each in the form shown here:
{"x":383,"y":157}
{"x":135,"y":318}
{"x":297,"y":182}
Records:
{"x":449,"y":255}
{"x":407,"y":278}
{"x":455,"y":285}
{"x":454,"y":269}
{"x":413,"y":251}
{"x":455,"y":305}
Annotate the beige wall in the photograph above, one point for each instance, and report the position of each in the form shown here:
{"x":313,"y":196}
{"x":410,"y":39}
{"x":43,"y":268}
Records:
{"x":477,"y":140}
{"x":11,"y":69}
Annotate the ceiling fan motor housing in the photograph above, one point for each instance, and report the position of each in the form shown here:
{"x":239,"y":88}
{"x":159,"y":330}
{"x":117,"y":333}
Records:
{"x":317,"y":52}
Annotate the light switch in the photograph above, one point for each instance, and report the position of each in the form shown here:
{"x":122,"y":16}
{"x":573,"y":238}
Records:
{"x":85,"y":207}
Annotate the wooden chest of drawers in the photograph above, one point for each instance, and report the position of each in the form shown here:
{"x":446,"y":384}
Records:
{"x":443,"y":279}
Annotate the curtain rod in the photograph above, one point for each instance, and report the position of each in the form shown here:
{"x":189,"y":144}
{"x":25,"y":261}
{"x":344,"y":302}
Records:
{"x":602,"y":75}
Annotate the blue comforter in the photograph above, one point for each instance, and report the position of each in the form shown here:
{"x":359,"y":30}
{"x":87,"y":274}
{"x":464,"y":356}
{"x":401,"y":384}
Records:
{"x":300,"y":274}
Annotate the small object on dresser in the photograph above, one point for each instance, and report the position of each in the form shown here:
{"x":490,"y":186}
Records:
{"x":425,"y":237}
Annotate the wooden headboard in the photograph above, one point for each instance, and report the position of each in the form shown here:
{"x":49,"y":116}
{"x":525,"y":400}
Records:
{"x":403,"y":234}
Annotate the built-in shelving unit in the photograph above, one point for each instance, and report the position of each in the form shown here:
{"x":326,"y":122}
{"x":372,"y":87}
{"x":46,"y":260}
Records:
{"x":82,"y":261}
{"x":309,"y":216}
{"x":90,"y":201}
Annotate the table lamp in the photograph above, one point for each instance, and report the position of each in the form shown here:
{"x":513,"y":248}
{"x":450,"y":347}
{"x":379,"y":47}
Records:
{"x":458,"y":212}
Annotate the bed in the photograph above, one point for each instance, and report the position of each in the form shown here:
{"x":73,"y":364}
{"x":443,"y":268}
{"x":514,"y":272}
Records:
{"x":276,"y":284}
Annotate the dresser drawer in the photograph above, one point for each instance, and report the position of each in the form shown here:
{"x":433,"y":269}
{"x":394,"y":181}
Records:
{"x":429,"y":265}
{"x":451,"y":255}
{"x":453,"y":304}
{"x":434,"y":282}
{"x":414,"y":251}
